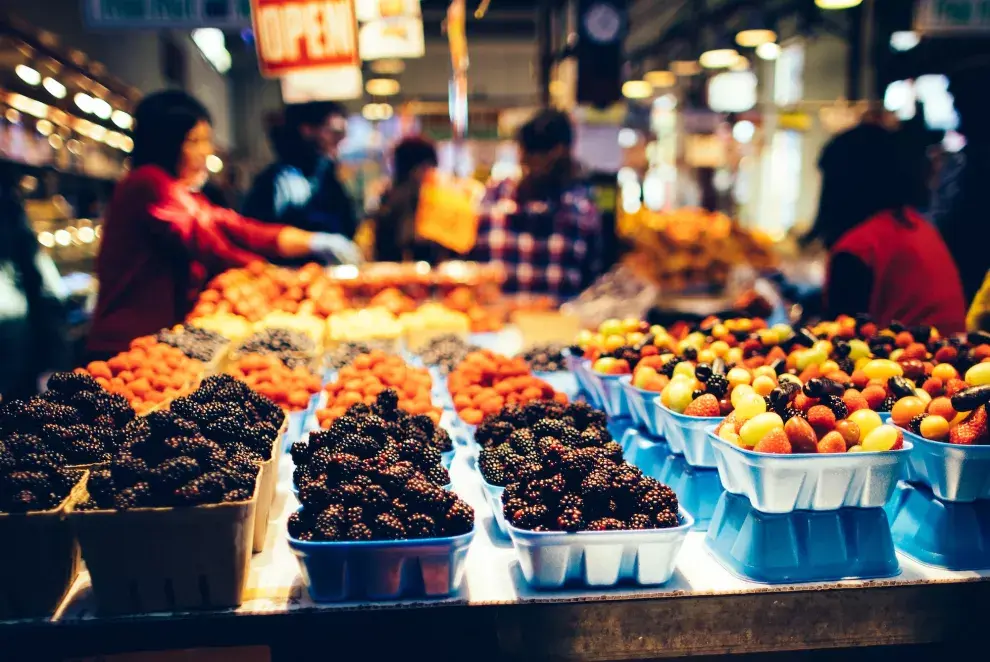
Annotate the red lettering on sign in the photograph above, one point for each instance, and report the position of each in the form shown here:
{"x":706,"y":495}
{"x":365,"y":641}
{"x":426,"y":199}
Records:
{"x":294,"y":36}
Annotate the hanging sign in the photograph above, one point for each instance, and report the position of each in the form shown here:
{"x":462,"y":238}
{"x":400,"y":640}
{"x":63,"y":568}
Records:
{"x":952,"y":16}
{"x":295,"y":37}
{"x":390,"y":29}
{"x":448,"y":211}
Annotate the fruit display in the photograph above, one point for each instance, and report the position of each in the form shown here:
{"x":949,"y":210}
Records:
{"x":620,"y":293}
{"x":33,"y":476}
{"x":371,"y":374}
{"x":484,"y":318}
{"x":394,"y":301}
{"x":444,"y":352}
{"x":293,"y":348}
{"x":545,"y":358}
{"x":233,"y":327}
{"x":365,"y":324}
{"x":311,"y":325}
{"x":485,"y":382}
{"x":289,"y":388}
{"x":431,"y":319}
{"x":375,"y":474}
{"x":148,"y":375}
{"x":345,"y":353}
{"x":195,"y":342}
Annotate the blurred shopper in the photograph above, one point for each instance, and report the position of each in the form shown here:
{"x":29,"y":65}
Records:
{"x":162,"y":240}
{"x":963,"y":221}
{"x":544,"y":230}
{"x":395,"y":222}
{"x":884,"y":258}
{"x":302,"y":188}
{"x":32,"y":317}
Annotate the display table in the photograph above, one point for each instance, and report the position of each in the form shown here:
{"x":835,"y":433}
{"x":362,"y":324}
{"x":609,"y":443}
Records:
{"x":703,"y":610}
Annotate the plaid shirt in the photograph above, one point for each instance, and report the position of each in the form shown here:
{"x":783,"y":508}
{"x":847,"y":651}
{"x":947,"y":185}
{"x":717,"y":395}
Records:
{"x":545,"y":248}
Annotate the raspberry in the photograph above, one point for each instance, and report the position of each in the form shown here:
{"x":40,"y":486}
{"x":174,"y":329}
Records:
{"x":854,"y":401}
{"x":822,"y":419}
{"x":704,"y":406}
{"x":874,"y":396}
{"x":933,"y":386}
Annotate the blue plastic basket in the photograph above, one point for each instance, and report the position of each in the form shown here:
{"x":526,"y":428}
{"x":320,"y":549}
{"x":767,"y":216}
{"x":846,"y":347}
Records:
{"x":493,"y":497}
{"x":447,"y":458}
{"x":645,"y":452}
{"x":688,"y":436}
{"x":940,"y":533}
{"x":382,"y":570}
{"x":562,"y":381}
{"x":807,"y":481}
{"x":609,"y":392}
{"x":803,"y":546}
{"x":586,"y":382}
{"x":953,"y":472}
{"x":441,"y":396}
{"x":644,"y":414}
{"x":697,"y":489}
{"x":551,"y":560}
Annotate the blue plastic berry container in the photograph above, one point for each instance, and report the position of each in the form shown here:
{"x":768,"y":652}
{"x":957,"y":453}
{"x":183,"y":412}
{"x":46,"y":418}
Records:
{"x":493,"y":497}
{"x":382,"y":569}
{"x":940,"y":533}
{"x":562,"y":381}
{"x":803,"y":546}
{"x":439,"y":393}
{"x":644,"y":415}
{"x":688,"y":435}
{"x":600,"y":559}
{"x":586,"y":381}
{"x":697,"y":489}
{"x":806,"y":481}
{"x":447,"y":458}
{"x":952,"y":472}
{"x":645,"y":452}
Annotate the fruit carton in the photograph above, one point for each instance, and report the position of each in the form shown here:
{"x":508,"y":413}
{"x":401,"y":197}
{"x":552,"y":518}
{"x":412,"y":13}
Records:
{"x":808,"y":481}
{"x":802,"y":546}
{"x":562,"y":381}
{"x":688,"y":435}
{"x":167,"y":559}
{"x":554,"y":559}
{"x":953,"y":472}
{"x":697,"y":489}
{"x":39,"y":560}
{"x":945,"y":534}
{"x":493,"y":497}
{"x":644,"y":415}
{"x":581,"y":368}
{"x":267,"y":480}
{"x":608,"y":391}
{"x":382,"y":569}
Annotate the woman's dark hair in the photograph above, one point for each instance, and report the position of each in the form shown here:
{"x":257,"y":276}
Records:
{"x":865,"y":171}
{"x":162,"y":121}
{"x":311,"y":113}
{"x":547,"y":130}
{"x":411,"y":153}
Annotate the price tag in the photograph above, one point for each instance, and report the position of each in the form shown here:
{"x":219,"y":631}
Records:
{"x":448,"y":211}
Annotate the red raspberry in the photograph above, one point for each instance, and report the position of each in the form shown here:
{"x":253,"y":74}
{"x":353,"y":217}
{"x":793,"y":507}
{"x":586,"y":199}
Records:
{"x":953,"y":386}
{"x":854,"y":400}
{"x":903,"y":339}
{"x":947,"y":354}
{"x":822,"y":419}
{"x":933,"y":386}
{"x":874,"y":395}
{"x":803,"y":402}
{"x":915,"y":351}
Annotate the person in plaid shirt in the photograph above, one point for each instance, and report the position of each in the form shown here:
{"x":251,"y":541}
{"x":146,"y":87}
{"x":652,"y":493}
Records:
{"x":544,"y":231}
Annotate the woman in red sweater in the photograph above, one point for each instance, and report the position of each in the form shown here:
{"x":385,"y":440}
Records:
{"x":885,"y":259}
{"x":163,"y":241}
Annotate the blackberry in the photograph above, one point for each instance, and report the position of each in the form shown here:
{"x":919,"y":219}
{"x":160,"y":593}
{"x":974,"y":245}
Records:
{"x":837,"y":406}
{"x":523,"y":441}
{"x":888,"y":403}
{"x":640,"y":521}
{"x":438,"y":475}
{"x":22,"y":502}
{"x":493,"y":432}
{"x":847,"y":366}
{"x":668,"y":367}
{"x":667,"y":519}
{"x":605,"y":524}
{"x":441,"y":441}
{"x":717,"y":385}
{"x":72,"y":382}
{"x":354,"y":515}
{"x":339,"y":467}
{"x":375,"y":499}
{"x":173,"y":473}
{"x":571,"y":502}
{"x":388,"y":527}
{"x":128,"y":470}
{"x":236,"y":495}
{"x":570,"y":519}
{"x":7,"y":459}
{"x":202,"y":489}
{"x":88,"y":504}
{"x":315,"y":496}
{"x":915,"y":424}
{"x":596,"y":486}
{"x":35,"y":481}
{"x":791,"y":412}
{"x":529,"y":517}
{"x":135,"y":496}
{"x":419,"y":525}
{"x":613,"y":451}
{"x":359,"y":531}
{"x":548,"y":428}
{"x":188,"y":408}
{"x":652,"y":502}
{"x":300,"y":452}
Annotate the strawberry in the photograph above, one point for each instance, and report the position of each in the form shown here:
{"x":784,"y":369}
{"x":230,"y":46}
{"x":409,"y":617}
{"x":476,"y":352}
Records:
{"x":973,"y":429}
{"x":704,"y":405}
{"x":933,"y":386}
{"x":953,"y":386}
{"x":832,"y":443}
{"x":854,"y":400}
{"x":801,"y":435}
{"x":774,"y":442}
{"x":947,"y":354}
{"x":822,"y":419}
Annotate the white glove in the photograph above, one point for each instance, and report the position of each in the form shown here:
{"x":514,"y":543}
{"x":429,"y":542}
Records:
{"x":335,"y":248}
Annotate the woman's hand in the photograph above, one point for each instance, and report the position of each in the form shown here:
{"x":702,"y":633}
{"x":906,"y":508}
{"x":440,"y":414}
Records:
{"x":335,"y":248}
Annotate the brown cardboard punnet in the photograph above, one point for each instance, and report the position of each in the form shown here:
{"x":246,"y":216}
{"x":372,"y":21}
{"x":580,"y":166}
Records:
{"x":167,"y":559}
{"x":39,"y":558}
{"x":267,"y":480}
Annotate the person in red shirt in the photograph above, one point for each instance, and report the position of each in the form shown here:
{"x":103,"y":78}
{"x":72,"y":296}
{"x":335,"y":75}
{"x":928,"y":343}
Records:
{"x":162,"y":240}
{"x":885,"y":259}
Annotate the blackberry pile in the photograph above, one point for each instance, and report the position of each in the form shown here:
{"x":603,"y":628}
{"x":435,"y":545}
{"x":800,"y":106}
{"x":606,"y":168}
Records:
{"x":545,"y":358}
{"x":196,"y":343}
{"x":75,"y":418}
{"x":32,"y":477}
{"x":376,"y":437}
{"x":166,"y":460}
{"x":445,"y":352}
{"x":345,"y":353}
{"x":521,"y":442}
{"x":291,"y":347}
{"x":375,"y":474}
{"x":586,"y":491}
{"x":244,"y":423}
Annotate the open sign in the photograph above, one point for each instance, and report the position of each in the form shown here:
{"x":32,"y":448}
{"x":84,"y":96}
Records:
{"x":295,"y":36}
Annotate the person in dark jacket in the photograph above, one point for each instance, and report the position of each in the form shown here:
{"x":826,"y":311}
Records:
{"x":302,"y":188}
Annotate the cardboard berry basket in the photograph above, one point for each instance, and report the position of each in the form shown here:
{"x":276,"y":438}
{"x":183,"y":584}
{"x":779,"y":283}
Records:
{"x":39,"y":559}
{"x":267,"y":480}
{"x":167,"y":559}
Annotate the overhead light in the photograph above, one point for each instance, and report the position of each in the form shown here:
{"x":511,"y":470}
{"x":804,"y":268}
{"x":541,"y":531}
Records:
{"x":768,"y":51}
{"x":63,"y":238}
{"x":741,"y":64}
{"x":102,"y":109}
{"x":55,"y":141}
{"x":718,"y":58}
{"x":12,"y":116}
{"x":376,"y":112}
{"x":86,"y":235}
{"x":122,"y":119}
{"x":55,"y":88}
{"x":127,"y":144}
{"x":27,"y":105}
{"x":743,"y":132}
{"x":27,"y":74}
{"x":628,"y":138}
{"x":382,"y":87}
{"x":904,"y":40}
{"x":838,"y":4}
{"x":637,"y":89}
{"x":44,"y":127}
{"x":387,"y":67}
{"x":46,"y":239}
{"x":84,"y":102}
{"x":685,"y":67}
{"x":755,"y":37}
{"x":660,"y":79}
{"x":214,"y":164}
